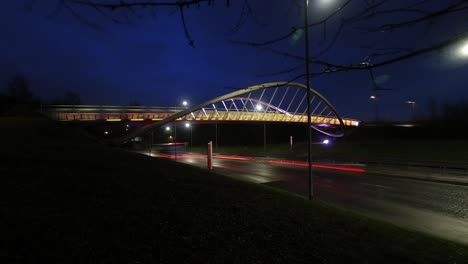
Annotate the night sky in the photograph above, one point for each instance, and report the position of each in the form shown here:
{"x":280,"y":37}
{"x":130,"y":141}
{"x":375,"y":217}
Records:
{"x":148,"y":59}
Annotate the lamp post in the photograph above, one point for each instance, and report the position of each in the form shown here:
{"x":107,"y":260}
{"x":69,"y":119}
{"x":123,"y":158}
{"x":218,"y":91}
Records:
{"x":412,"y":105}
{"x":187,"y":125}
{"x":185,"y":104}
{"x":375,"y":99}
{"x":175,"y":141}
{"x":259,"y":107}
{"x":463,"y":52}
{"x":309,"y":123}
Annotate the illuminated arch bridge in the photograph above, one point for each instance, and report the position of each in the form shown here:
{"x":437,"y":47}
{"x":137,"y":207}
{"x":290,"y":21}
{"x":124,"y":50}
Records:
{"x":269,"y":102}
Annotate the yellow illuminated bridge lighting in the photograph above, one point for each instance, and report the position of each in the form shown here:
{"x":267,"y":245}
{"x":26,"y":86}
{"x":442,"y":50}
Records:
{"x":278,"y":102}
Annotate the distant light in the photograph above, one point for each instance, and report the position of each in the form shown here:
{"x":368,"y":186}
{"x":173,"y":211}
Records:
{"x":405,"y":125}
{"x":464,"y":50}
{"x":410,"y":102}
{"x":106,"y":132}
{"x":168,"y":128}
{"x":326,"y":141}
{"x":126,"y":129}
{"x":326,"y":3}
{"x":187,"y":125}
{"x":259,"y":107}
{"x":170,"y":137}
{"x":128,"y":125}
{"x":184,"y":103}
{"x":373,"y":97}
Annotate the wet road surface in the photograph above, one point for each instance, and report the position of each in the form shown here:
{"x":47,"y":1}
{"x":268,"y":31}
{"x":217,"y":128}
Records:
{"x":436,"y":208}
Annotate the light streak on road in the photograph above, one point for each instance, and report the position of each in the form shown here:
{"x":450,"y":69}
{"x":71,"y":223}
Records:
{"x":280,"y":162}
{"x":305,"y":164}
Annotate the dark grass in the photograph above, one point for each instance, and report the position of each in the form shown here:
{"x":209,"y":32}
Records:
{"x":67,"y":199}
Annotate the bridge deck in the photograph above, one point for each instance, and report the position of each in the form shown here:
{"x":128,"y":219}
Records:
{"x":117,"y":114}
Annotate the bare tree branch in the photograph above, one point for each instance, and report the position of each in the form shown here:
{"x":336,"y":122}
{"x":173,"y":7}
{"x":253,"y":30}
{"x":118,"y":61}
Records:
{"x":290,"y":70}
{"x":123,"y":4}
{"x":294,"y":29}
{"x":187,"y":34}
{"x":445,"y":11}
{"x":365,"y":65}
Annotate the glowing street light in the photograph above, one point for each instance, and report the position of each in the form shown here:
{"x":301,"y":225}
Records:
{"x":464,"y":50}
{"x":184,"y":103}
{"x":412,"y":104}
{"x":168,"y":128}
{"x":326,"y":141}
{"x":325,"y":3}
{"x":187,"y":125}
{"x":375,"y":100}
{"x":259,"y":107}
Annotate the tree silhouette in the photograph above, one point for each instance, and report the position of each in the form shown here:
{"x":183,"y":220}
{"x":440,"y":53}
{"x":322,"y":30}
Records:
{"x":18,"y":88}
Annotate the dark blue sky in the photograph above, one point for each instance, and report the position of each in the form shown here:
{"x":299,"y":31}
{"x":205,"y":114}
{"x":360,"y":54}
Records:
{"x":150,"y":61}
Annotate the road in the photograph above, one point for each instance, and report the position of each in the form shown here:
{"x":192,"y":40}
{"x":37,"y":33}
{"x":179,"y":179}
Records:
{"x":436,"y":208}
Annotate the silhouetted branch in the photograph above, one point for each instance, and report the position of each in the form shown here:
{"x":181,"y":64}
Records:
{"x":187,"y":34}
{"x":123,"y":4}
{"x":294,"y":29}
{"x":445,"y":11}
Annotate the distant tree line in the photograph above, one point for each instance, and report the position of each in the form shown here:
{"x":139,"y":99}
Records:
{"x":449,"y":111}
{"x":17,"y":97}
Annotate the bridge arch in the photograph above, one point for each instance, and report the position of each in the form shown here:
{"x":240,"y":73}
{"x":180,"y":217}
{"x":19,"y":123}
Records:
{"x":263,"y":102}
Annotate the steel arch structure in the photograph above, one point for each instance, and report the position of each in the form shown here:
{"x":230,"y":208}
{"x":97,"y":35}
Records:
{"x":267,"y":102}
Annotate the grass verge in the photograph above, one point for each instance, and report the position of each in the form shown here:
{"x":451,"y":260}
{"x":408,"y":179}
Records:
{"x":64,"y":198}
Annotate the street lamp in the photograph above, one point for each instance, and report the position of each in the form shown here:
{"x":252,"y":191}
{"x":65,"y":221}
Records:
{"x":259,"y":107}
{"x":168,"y":128}
{"x":184,"y":103}
{"x":325,"y":3}
{"x":464,"y":50}
{"x":376,"y":101}
{"x":187,"y":125}
{"x":412,"y":104}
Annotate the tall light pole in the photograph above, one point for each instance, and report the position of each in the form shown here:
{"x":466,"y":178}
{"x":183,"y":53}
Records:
{"x":187,"y":125}
{"x":175,"y":140}
{"x":185,"y":104}
{"x":309,"y":123}
{"x":375,"y":99}
{"x":412,"y":105}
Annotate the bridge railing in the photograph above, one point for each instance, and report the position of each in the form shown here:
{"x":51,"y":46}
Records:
{"x":84,"y":113}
